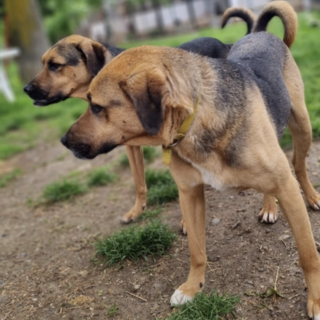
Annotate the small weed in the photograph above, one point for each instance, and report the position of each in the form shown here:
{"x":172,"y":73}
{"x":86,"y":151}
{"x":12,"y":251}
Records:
{"x":205,"y":306}
{"x":161,"y":187}
{"x":113,"y":310}
{"x":149,"y":153}
{"x":124,"y":161}
{"x":136,"y":242}
{"x":101,"y":177}
{"x":8,"y":177}
{"x":150,"y":214}
{"x":64,"y":190}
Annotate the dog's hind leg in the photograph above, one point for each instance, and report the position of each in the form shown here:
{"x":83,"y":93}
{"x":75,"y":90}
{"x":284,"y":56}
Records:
{"x":269,"y":211}
{"x":300,"y":129}
{"x":294,"y":210}
{"x":135,"y":156}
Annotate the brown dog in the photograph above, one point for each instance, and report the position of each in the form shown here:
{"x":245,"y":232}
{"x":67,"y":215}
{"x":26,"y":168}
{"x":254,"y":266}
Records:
{"x":71,"y":64}
{"x":238,"y":107}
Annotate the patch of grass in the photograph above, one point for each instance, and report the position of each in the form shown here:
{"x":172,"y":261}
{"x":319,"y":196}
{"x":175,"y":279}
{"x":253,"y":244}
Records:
{"x":161,"y":187}
{"x":9,"y":150}
{"x":149,"y":153}
{"x":136,"y":242}
{"x":8,"y":177}
{"x":150,"y":214}
{"x":64,"y":190}
{"x":205,"y":306}
{"x":113,"y":310}
{"x":101,"y":177}
{"x":124,"y":161}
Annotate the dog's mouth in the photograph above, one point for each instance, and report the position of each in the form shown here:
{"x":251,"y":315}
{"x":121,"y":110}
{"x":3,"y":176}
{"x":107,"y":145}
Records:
{"x":83,"y":150}
{"x":46,"y":102}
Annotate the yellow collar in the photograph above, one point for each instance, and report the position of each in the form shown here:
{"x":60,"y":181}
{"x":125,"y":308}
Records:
{"x":186,"y":124}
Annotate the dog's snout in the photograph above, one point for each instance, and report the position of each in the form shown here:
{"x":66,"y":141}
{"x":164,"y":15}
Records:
{"x":28,"y":88}
{"x":64,"y":140}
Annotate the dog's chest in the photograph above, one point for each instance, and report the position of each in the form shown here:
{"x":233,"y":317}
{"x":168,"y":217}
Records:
{"x":210,"y":176}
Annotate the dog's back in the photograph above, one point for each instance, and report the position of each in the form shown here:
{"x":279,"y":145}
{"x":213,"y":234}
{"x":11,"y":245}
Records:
{"x":209,"y":47}
{"x":262,"y":57}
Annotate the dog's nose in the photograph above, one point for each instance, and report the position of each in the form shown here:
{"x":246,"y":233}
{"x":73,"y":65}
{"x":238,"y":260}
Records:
{"x":64,"y":140}
{"x":28,"y":88}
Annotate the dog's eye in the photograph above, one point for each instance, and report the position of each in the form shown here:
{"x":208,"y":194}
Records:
{"x":53,"y":66}
{"x":96,"y":109}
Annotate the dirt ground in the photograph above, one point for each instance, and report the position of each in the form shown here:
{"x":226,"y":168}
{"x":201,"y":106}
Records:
{"x":46,"y":253}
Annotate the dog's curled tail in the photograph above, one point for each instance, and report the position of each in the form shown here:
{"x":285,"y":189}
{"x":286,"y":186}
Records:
{"x":245,"y":14}
{"x":286,"y":13}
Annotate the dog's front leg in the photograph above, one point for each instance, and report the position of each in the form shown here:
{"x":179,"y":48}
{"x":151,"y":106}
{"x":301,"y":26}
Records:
{"x":135,"y":156}
{"x":192,"y":203}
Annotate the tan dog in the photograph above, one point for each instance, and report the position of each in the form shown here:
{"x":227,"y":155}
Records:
{"x":71,"y":64}
{"x":241,"y":107}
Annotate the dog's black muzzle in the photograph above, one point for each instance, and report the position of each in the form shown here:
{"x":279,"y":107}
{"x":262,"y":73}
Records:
{"x":83,"y":150}
{"x":41,"y":98}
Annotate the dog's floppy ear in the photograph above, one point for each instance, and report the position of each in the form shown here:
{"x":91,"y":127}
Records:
{"x":151,"y":93}
{"x":94,"y":54}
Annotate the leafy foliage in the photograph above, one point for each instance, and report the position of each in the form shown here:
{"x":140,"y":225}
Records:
{"x":62,"y":17}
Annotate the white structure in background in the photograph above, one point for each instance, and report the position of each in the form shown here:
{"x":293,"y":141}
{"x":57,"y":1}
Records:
{"x":4,"y":83}
{"x":172,"y":15}
{"x":251,"y":4}
{"x":98,"y":31}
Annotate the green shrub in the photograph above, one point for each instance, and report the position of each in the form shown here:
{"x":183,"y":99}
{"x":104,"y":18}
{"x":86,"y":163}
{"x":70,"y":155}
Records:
{"x":136,"y":242}
{"x":64,"y":190}
{"x":101,"y":177}
{"x":205,"y":306}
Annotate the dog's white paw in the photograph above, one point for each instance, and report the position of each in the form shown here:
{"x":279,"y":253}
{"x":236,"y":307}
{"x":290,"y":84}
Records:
{"x":316,"y":317}
{"x":269,"y":217}
{"x":178,"y":298}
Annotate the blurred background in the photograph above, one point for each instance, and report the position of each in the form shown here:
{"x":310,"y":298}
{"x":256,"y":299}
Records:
{"x":29,"y":27}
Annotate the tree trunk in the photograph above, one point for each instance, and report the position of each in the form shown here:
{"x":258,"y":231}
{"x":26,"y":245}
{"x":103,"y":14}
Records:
{"x":27,"y":33}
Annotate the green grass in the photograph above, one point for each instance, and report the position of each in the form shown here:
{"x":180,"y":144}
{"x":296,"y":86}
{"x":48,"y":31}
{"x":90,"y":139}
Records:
{"x":113,"y":310}
{"x":124,"y":161}
{"x":205,"y":306}
{"x":149,"y":153}
{"x":100,"y":177}
{"x":161,"y":187}
{"x":8,"y":177}
{"x":136,"y":242}
{"x":63,"y":190}
{"x":23,"y":126}
{"x":150,"y":214}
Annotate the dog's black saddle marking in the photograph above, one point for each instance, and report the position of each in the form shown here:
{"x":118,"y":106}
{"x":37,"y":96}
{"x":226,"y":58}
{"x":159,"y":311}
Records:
{"x":261,"y":58}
